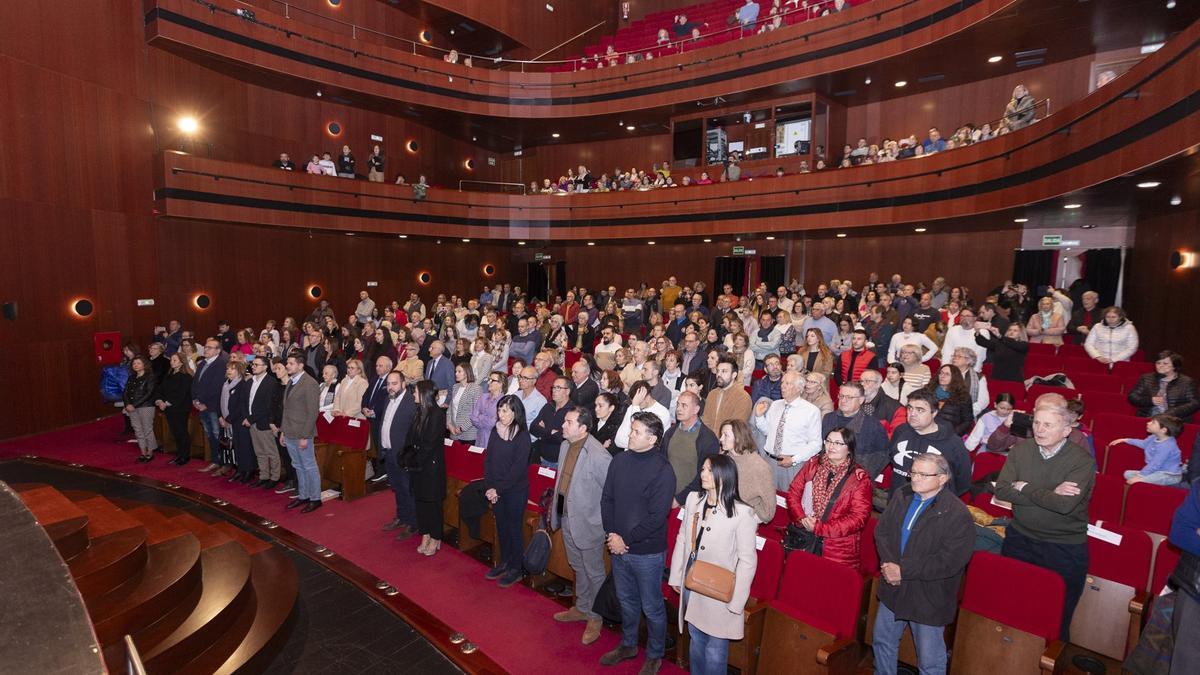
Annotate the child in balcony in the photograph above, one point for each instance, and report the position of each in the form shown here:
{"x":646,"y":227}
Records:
{"x":1163,"y":459}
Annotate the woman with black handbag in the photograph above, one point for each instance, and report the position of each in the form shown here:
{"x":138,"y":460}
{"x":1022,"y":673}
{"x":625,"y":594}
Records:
{"x":713,"y":565}
{"x":830,"y":501}
{"x":425,"y":459}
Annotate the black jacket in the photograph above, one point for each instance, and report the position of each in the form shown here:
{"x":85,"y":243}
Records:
{"x":589,"y":338}
{"x":262,"y":409}
{"x":139,"y":391}
{"x":1182,"y":400}
{"x":608,"y":432}
{"x":237,"y":402}
{"x":429,"y":484}
{"x":959,"y":416}
{"x":1006,"y":355}
{"x":547,"y":431}
{"x":398,"y":433}
{"x":935,"y":557}
{"x":176,"y":389}
{"x":585,"y":395}
{"x":707,"y":445}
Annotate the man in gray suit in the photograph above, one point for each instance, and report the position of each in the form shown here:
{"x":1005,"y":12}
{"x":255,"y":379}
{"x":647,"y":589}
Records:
{"x":299,"y":429}
{"x":582,"y":470}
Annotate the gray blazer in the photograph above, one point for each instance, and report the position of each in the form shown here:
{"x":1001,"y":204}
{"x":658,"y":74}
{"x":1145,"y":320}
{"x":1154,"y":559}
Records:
{"x":583,"y":501}
{"x":300,"y":404}
{"x":461,"y":416}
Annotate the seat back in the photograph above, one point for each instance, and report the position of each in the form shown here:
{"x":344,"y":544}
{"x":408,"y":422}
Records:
{"x":1100,"y":403}
{"x":1015,"y":389}
{"x":1043,"y":349}
{"x":1151,"y":507}
{"x":868,"y":556}
{"x":1042,"y":364}
{"x":1166,"y":557}
{"x":1108,"y":428}
{"x":1083,"y":366}
{"x":1108,"y":499}
{"x":541,"y":478}
{"x":1038,"y":390}
{"x":832,"y":604}
{"x":1132,"y":369}
{"x":1003,"y":589}
{"x":1087,"y":382}
{"x":770,"y":570}
{"x":985,"y":463}
{"x":1121,"y":458}
{"x":1073,"y":351}
{"x":1117,"y":572}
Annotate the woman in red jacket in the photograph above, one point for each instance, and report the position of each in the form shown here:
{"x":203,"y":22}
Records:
{"x":813,"y":488}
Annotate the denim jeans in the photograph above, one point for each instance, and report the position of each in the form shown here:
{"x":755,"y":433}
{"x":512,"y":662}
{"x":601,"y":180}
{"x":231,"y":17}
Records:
{"x":308,"y":476}
{"x":212,"y":430}
{"x":929,"y":640}
{"x":401,"y":484}
{"x":1157,"y":477}
{"x":639,"y":589}
{"x":707,"y":655}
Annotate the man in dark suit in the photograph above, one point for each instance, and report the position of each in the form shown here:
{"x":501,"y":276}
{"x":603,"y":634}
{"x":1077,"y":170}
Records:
{"x":395,"y":419}
{"x":206,"y":395}
{"x":438,"y":368}
{"x":678,"y":324}
{"x":583,"y":390}
{"x":263,"y":388}
{"x":374,"y":398}
{"x":691,"y":359}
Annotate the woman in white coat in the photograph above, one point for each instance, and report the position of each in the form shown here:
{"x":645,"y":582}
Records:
{"x":717,"y":528}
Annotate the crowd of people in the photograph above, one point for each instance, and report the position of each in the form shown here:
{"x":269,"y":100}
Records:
{"x":667,"y":397}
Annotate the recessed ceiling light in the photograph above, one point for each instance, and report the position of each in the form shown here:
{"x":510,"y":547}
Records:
{"x":349,"y":234}
{"x":770,"y":238}
{"x":868,"y":80}
{"x":708,"y":241}
{"x":841,"y":235}
{"x":1072,"y":206}
{"x":466,"y":241}
{"x":1149,"y":184}
{"x":402,"y":236}
{"x":995,"y":59}
{"x":520,"y":243}
{"x":554,"y":135}
{"x":918,"y":229}
{"x":1176,"y":200}
{"x":650,"y":243}
{"x":901,"y":83}
{"x":1170,"y":4}
{"x":1020,"y":220}
{"x":630,"y":127}
{"x":474,"y":139}
{"x":1086,"y":227}
{"x":591,"y":243}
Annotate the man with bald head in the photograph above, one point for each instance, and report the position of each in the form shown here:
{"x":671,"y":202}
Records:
{"x":687,"y":444}
{"x":438,"y":368}
{"x":583,"y":389}
{"x":792,"y":427}
{"x":543,"y":363}
{"x":547,"y":427}
{"x":818,"y":320}
{"x":374,"y":399}
{"x":530,"y":397}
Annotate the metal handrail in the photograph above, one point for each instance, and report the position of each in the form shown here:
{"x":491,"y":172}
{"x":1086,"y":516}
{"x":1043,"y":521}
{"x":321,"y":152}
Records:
{"x":500,"y":62}
{"x":567,"y":41}
{"x":524,"y":188}
{"x":133,"y":660}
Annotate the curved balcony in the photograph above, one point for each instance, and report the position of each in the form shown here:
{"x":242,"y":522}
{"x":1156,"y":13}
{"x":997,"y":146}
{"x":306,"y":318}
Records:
{"x":1148,"y":114}
{"x":303,"y":57}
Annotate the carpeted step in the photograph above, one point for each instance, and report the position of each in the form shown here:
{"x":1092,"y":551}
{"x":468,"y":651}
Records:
{"x":65,"y":523}
{"x":252,"y":640}
{"x":171,"y":573}
{"x":227,"y":593}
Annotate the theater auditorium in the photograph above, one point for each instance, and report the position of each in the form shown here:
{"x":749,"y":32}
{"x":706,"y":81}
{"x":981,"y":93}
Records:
{"x":608,"y":336}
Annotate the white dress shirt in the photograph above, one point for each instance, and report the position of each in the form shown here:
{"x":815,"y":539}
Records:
{"x":801,"y":429}
{"x":385,"y":428}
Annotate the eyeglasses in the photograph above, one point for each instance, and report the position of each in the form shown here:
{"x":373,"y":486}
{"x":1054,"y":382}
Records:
{"x":557,"y":388}
{"x":918,"y":474}
{"x":494,"y":379}
{"x":848,"y":396}
{"x":830,"y":441}
{"x":526,"y":377}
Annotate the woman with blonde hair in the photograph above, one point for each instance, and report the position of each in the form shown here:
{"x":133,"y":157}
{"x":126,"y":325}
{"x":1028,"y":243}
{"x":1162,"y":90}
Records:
{"x":347,"y":398}
{"x":1047,"y":325}
{"x":816,"y":392}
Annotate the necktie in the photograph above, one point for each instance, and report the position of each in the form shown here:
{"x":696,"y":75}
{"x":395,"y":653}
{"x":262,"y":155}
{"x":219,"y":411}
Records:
{"x":200,"y":372}
{"x":779,"y":429}
{"x":429,"y":374}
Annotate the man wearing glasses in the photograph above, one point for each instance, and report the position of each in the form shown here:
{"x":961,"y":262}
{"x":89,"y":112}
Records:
{"x":922,"y":434}
{"x":530,"y":397}
{"x":925,"y":538}
{"x":206,"y":395}
{"x":963,"y":335}
{"x":871,"y":440}
{"x":547,"y":428}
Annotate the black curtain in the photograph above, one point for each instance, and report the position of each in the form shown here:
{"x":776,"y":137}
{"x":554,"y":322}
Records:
{"x":730,"y":270}
{"x":1102,"y":273}
{"x":1035,"y":269}
{"x":771,"y":271}
{"x":539,"y":282}
{"x":560,"y":278}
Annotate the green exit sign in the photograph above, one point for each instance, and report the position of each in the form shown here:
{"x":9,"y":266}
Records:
{"x":739,"y":250}
{"x":1051,"y":240}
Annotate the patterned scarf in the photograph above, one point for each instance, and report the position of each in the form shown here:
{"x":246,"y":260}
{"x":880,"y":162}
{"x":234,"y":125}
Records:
{"x":825,"y":481}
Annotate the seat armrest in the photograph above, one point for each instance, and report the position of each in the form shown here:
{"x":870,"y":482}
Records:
{"x":839,"y":656}
{"x":1049,"y":659}
{"x":1137,"y":604}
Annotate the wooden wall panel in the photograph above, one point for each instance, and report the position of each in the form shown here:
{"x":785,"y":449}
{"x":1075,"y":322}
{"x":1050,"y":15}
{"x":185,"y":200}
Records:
{"x":1159,"y":300}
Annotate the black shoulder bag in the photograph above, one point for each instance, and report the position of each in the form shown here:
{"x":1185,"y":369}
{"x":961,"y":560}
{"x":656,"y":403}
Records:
{"x":796,"y":538}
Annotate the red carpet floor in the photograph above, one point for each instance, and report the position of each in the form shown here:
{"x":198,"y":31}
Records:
{"x":513,"y":626}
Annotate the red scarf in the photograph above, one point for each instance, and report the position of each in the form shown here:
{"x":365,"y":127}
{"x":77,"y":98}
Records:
{"x":825,"y":481}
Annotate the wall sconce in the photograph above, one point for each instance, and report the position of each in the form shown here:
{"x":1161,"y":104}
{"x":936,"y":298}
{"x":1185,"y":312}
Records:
{"x":202,"y":301}
{"x":424,"y":278}
{"x":82,"y":307}
{"x":1182,"y":260}
{"x":314,"y":291}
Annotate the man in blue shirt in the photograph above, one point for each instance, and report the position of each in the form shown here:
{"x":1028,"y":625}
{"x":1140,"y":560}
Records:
{"x":935,"y":142}
{"x":747,"y":14}
{"x":925,"y":539}
{"x":818,"y":320}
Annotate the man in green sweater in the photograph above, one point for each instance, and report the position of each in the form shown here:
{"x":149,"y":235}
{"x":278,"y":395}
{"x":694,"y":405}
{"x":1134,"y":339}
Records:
{"x":1049,"y":481}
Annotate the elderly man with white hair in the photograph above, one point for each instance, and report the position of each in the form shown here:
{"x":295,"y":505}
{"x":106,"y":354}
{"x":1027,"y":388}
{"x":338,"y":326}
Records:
{"x":1048,"y":479}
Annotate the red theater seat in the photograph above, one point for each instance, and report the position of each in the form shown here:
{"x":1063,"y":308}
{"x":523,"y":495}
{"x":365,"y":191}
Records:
{"x":1151,"y":507}
{"x":1008,"y":619}
{"x":1106,"y":383}
{"x":810,"y":627}
{"x":1108,"y":617}
{"x":1108,"y":499}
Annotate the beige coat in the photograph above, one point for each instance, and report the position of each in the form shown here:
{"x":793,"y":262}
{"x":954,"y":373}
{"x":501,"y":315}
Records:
{"x":349,"y":395}
{"x":729,"y":543}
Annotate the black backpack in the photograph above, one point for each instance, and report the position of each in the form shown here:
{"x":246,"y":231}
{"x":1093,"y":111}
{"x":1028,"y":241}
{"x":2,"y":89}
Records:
{"x":537,"y":553}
